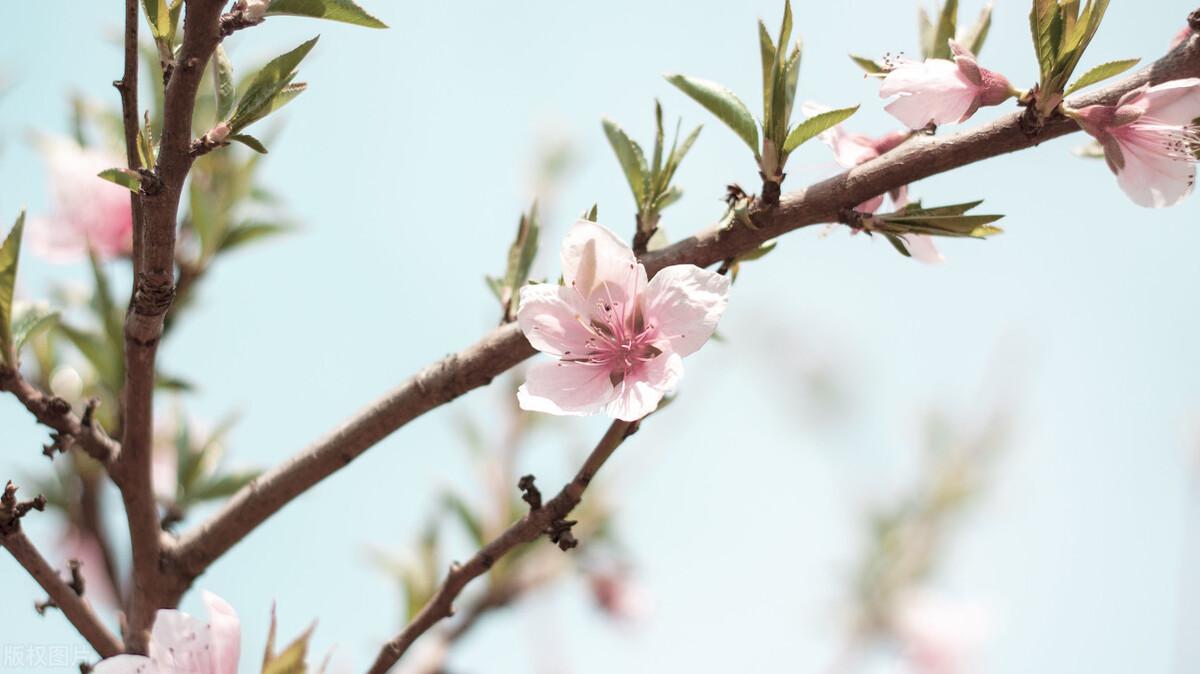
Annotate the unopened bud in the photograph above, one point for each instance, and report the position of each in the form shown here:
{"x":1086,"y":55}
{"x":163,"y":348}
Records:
{"x":218,"y":133}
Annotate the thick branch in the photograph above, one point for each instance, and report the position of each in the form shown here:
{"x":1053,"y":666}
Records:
{"x":527,"y":530}
{"x":74,"y":607}
{"x":56,"y":413}
{"x":154,"y":290}
{"x":505,"y":346}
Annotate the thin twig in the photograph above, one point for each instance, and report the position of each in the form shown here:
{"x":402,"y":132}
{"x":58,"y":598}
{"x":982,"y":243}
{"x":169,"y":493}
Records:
{"x":77,"y":609}
{"x":527,"y":530}
{"x":505,"y":346}
{"x":154,"y":290}
{"x":56,"y":413}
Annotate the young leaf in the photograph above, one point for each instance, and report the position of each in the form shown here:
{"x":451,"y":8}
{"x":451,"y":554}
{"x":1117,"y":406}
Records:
{"x":816,"y":124}
{"x":1100,"y":73}
{"x":28,"y":320}
{"x":249,"y":141}
{"x":926,"y":32}
{"x":127,"y":178}
{"x":946,"y":29}
{"x":111,"y":318}
{"x":870,"y":66}
{"x":766,"y":48}
{"x":520,"y":259}
{"x":248,"y":232}
{"x":973,"y":37}
{"x":724,"y":104}
{"x":334,"y":10}
{"x":222,"y":486}
{"x":223,"y":85}
{"x":158,"y":13}
{"x":630,"y":156}
{"x":291,"y":659}
{"x":468,"y":519}
{"x":268,"y":84}
{"x":1042,"y":19}
{"x":10,"y":254}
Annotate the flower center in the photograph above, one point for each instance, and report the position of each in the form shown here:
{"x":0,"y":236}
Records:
{"x":620,"y":340}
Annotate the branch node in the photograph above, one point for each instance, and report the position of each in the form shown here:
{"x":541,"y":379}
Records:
{"x":153,"y":296}
{"x":12,"y":510}
{"x":530,"y":493}
{"x":77,"y":583}
{"x":240,"y":16}
{"x":560,"y":534}
{"x":89,"y":412}
{"x":42,"y":606}
{"x":1194,"y":21}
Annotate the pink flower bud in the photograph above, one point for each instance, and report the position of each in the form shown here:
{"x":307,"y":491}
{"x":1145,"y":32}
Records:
{"x":218,"y":133}
{"x":256,"y":9}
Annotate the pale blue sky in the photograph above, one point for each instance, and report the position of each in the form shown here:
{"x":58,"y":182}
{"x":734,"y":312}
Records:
{"x":407,"y":162}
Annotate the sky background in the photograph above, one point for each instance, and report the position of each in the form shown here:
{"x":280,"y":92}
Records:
{"x":407,"y":163}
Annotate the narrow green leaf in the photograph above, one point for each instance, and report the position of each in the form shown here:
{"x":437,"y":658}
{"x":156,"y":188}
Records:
{"x":766,"y":48}
{"x":520,"y":259}
{"x":761,"y":251}
{"x":127,"y":178}
{"x":592,"y":213}
{"x":158,"y":13}
{"x":28,"y":320}
{"x":333,"y":10}
{"x":249,"y":141}
{"x":10,"y":255}
{"x":946,"y":29}
{"x":630,"y":156}
{"x":222,"y":486}
{"x":95,"y":349}
{"x":816,"y":124}
{"x":656,"y":165}
{"x":259,"y":100}
{"x":898,"y":244}
{"x":678,"y":152}
{"x":948,"y":225}
{"x":1101,"y":73}
{"x":927,"y":33}
{"x":111,"y":318}
{"x":462,"y":512}
{"x":974,"y":37}
{"x":292,"y":659}
{"x":870,"y":66}
{"x":223,"y":85}
{"x":1042,"y":17}
{"x":724,"y":104}
{"x":251,"y":231}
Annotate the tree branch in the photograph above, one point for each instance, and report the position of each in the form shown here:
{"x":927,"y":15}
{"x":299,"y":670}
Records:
{"x":505,"y":346}
{"x":56,"y":413}
{"x":154,"y":290}
{"x":527,"y":530}
{"x":64,"y":596}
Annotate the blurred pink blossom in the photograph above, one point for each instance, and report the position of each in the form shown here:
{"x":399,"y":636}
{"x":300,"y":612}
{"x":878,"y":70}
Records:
{"x":618,"y":339}
{"x":1149,"y":140}
{"x":181,"y":644}
{"x":940,"y":635}
{"x":86,"y":209}
{"x":941,"y":91}
{"x":617,"y":595}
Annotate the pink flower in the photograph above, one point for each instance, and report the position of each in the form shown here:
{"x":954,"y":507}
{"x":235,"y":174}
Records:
{"x":941,"y":91}
{"x":181,"y":644}
{"x":1149,"y":140}
{"x":617,"y":596}
{"x":852,"y":149}
{"x":940,"y":635}
{"x":86,"y":208}
{"x":619,"y":339}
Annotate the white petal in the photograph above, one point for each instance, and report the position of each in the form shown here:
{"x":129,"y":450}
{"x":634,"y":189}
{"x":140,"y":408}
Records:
{"x":225,"y":634}
{"x":1174,"y":102}
{"x":684,"y":302}
{"x":550,"y":317}
{"x":922,"y":248}
{"x":592,"y":255}
{"x":1154,"y":179}
{"x":565,"y":388}
{"x":180,"y":642}
{"x":639,"y":395}
{"x":126,"y":664}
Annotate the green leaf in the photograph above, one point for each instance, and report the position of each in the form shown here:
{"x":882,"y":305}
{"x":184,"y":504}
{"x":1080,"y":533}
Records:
{"x":250,"y":231}
{"x":268,"y":84}
{"x":249,"y":141}
{"x":520,"y":259}
{"x":816,"y":124}
{"x":1042,"y":19}
{"x":777,"y":114}
{"x":223,"y":84}
{"x":630,"y":156}
{"x":946,"y":29}
{"x":870,"y":66}
{"x":976,"y":226}
{"x":333,"y":10}
{"x":95,"y":348}
{"x":761,"y":251}
{"x":10,"y":255}
{"x":678,"y":152}
{"x":158,"y":13}
{"x":222,"y":486}
{"x":111,"y":318}
{"x":766,"y":48}
{"x":592,"y":213}
{"x":291,"y":659}
{"x":28,"y":320}
{"x":468,"y":519}
{"x":724,"y":104}
{"x":926,"y":32}
{"x":973,"y":37}
{"x":127,"y":178}
{"x":1101,"y":73}
{"x":898,"y":244}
